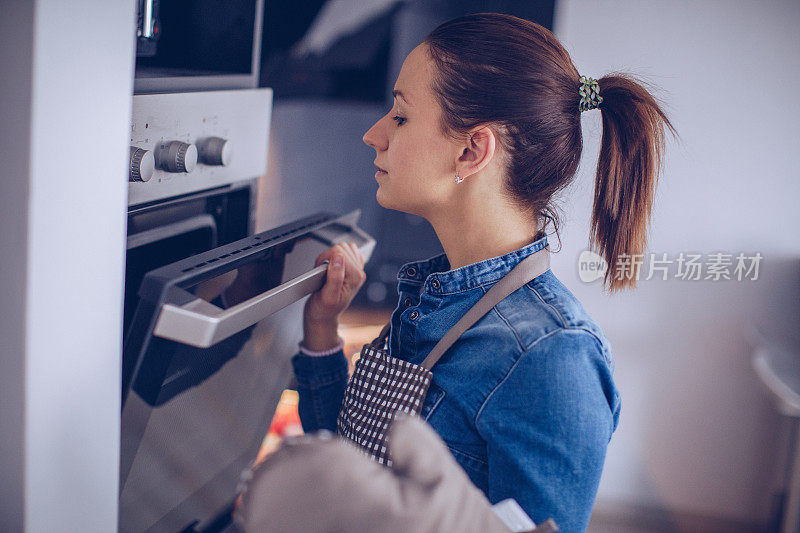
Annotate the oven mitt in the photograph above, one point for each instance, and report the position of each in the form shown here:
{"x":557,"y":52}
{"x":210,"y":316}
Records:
{"x":322,"y":483}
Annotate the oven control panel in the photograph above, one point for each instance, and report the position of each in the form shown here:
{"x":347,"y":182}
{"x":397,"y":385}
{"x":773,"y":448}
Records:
{"x":182,"y":143}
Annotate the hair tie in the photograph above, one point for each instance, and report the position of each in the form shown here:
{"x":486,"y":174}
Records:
{"x":590,"y":94}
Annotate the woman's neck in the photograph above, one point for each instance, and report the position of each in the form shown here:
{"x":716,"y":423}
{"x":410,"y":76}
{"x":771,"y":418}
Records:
{"x":480,"y":224}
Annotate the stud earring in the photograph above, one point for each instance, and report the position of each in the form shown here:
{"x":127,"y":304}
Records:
{"x":459,"y":179}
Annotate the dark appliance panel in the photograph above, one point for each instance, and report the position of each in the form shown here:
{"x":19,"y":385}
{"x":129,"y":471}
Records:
{"x":166,"y":233}
{"x":197,"y":45}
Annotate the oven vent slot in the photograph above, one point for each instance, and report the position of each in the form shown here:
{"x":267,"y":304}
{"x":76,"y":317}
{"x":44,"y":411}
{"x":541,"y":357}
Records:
{"x":260,"y":237}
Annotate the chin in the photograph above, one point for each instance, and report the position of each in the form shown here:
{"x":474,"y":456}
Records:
{"x":384,"y":199}
{"x":391,"y":203}
{"x":402,"y":203}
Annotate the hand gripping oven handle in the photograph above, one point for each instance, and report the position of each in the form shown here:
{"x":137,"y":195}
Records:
{"x":202,"y":324}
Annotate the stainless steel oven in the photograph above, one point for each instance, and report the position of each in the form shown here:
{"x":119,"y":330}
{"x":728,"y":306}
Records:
{"x":212,"y":311}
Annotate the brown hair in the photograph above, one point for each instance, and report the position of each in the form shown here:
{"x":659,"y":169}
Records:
{"x":514,"y":74}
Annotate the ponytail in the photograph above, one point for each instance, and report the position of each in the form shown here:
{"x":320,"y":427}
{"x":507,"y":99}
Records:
{"x":631,"y":153}
{"x":498,"y":69}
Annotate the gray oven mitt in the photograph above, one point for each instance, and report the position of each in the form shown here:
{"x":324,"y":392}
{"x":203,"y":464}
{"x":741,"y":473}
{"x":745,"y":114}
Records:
{"x":321,"y":483}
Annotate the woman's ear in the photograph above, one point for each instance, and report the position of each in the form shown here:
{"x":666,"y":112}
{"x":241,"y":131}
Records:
{"x":478,"y":151}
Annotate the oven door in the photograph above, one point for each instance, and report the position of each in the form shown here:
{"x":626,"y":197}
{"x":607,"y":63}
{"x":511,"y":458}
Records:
{"x":204,"y":364}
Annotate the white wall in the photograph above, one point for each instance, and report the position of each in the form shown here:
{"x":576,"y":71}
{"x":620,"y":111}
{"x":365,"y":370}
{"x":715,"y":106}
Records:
{"x":67,"y":78}
{"x":697,"y":432}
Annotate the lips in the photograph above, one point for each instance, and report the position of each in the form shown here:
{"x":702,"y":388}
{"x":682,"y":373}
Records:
{"x":379,"y":169}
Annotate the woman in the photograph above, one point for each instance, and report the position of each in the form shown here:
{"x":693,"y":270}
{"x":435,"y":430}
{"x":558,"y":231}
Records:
{"x":484,"y":130}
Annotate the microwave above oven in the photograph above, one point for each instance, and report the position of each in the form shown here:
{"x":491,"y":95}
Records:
{"x":197,"y":45}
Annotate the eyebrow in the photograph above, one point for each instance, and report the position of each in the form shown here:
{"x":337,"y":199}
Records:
{"x":397,"y":93}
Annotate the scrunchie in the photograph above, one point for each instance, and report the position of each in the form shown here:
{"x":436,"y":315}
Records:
{"x":590,"y":94}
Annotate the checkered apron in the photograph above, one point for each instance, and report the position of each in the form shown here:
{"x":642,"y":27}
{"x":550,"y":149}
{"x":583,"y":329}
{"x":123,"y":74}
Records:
{"x":382,"y":386}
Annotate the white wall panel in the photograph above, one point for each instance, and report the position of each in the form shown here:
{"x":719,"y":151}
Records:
{"x":697,"y":432}
{"x":67,"y":191}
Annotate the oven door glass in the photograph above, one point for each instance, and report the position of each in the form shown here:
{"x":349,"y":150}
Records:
{"x":204,"y":364}
{"x":160,"y":246}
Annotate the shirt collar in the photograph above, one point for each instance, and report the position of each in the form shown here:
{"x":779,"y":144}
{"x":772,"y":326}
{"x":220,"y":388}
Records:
{"x":437,"y":277}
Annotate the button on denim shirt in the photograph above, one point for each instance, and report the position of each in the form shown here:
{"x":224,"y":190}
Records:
{"x":524,"y":400}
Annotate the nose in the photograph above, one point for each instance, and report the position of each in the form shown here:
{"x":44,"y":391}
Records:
{"x":375,"y":138}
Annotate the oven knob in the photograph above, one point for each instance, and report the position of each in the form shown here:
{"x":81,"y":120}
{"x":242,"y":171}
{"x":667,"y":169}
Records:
{"x":142,"y":164}
{"x":215,"y":151}
{"x":176,"y":156}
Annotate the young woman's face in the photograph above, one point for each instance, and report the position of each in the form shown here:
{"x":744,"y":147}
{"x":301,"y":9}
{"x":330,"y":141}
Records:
{"x":417,"y":159}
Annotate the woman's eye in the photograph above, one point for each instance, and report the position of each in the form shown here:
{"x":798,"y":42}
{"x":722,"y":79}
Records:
{"x":400,"y":120}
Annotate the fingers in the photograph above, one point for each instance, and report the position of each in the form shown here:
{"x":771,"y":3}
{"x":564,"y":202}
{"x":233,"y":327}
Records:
{"x":357,"y":252}
{"x":355,"y":271}
{"x":348,"y":248}
{"x":345,"y":276}
{"x":331,"y":292}
{"x":345,"y":273}
{"x":328,"y":254}
{"x":325,"y":256}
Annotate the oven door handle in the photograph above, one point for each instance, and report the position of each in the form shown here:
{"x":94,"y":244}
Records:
{"x":202,"y":324}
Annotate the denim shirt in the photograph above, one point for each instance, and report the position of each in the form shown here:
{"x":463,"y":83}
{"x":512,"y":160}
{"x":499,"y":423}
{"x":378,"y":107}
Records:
{"x":524,"y":400}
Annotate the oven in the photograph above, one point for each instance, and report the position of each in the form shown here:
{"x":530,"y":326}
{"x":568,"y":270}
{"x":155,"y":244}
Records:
{"x":213,"y":310}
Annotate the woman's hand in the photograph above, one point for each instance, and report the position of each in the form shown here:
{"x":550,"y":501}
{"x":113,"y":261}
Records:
{"x":345,"y":276}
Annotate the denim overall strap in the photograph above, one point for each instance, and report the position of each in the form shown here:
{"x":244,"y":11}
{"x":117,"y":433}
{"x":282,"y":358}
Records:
{"x":526,"y":270}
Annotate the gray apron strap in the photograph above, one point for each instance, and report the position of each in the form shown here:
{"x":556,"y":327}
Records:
{"x":527,"y":269}
{"x":380,"y":340}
